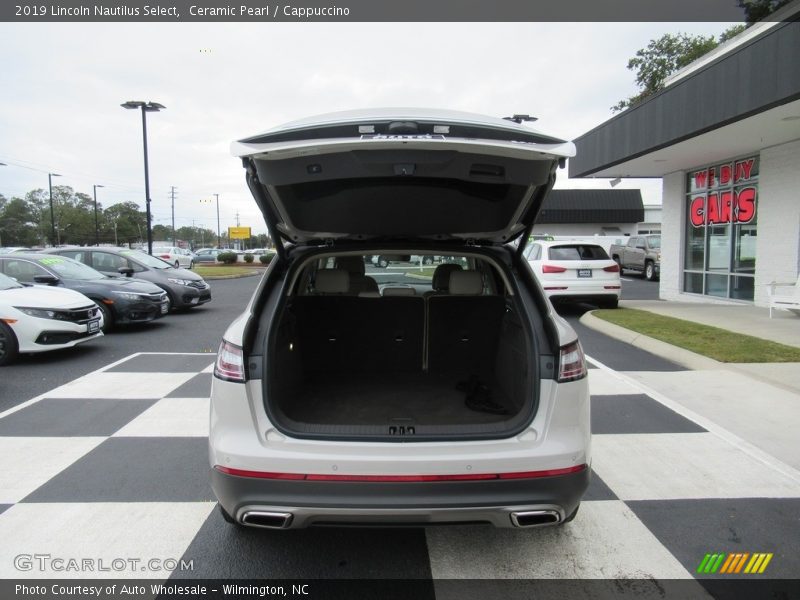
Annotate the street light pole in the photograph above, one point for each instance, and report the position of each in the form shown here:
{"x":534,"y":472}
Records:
{"x":146,"y":107}
{"x":218,"y":235}
{"x":52,"y":212}
{"x":96,"y":227}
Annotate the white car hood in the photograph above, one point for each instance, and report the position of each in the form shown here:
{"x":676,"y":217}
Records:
{"x":44,"y":297}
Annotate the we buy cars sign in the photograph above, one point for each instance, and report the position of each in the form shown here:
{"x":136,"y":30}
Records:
{"x":716,"y":204}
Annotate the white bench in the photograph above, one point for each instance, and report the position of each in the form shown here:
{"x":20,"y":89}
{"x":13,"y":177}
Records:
{"x":785,"y":296}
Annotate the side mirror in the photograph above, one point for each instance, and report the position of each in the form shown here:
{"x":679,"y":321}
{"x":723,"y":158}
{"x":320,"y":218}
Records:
{"x":127,"y":271}
{"x":46,"y":279}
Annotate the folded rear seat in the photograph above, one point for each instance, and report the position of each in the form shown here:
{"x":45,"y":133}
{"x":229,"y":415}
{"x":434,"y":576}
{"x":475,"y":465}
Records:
{"x":464,"y":327}
{"x":342,"y":333}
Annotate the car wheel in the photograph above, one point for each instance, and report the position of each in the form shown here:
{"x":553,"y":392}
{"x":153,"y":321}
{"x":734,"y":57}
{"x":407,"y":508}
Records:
{"x":619,"y":264}
{"x":383,"y":262}
{"x":608,"y":303}
{"x":650,"y":271}
{"x":177,"y":264}
{"x":8,"y":344}
{"x":108,"y":318}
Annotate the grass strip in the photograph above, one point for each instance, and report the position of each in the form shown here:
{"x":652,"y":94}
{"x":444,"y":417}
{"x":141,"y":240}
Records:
{"x":221,"y":271}
{"x":719,"y":344}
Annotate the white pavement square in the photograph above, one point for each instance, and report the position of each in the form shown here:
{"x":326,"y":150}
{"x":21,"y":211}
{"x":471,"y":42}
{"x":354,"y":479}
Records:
{"x":99,"y":531}
{"x":763,"y":414}
{"x":606,"y":540}
{"x":122,"y":386}
{"x":26,"y":463}
{"x":604,"y":383}
{"x":682,"y":466}
{"x":170,"y":417}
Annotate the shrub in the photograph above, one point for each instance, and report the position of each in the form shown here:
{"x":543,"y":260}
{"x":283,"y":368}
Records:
{"x":265,"y":258}
{"x":248,"y":258}
{"x":227,"y":257}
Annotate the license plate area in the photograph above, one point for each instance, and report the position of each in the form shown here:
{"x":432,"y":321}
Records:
{"x":164,"y":308}
{"x":584,"y":272}
{"x":93,"y":326}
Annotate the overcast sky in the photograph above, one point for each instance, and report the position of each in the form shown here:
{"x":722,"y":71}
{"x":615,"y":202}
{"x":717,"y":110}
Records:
{"x":61,"y":86}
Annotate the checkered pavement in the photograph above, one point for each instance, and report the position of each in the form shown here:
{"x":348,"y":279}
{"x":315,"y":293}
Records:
{"x":114,"y":465}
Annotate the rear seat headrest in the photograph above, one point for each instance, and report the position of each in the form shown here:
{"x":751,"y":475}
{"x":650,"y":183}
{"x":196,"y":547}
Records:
{"x":466,"y":283}
{"x":441,"y":276}
{"x":352,"y":264}
{"x":399,"y":291}
{"x":332,"y":281}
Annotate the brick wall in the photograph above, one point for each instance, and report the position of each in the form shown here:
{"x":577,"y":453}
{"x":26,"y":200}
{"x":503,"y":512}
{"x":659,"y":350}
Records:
{"x":778,"y":245}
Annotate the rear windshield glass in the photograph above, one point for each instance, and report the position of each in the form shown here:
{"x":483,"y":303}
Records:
{"x":578,"y":252}
{"x":384,"y":275}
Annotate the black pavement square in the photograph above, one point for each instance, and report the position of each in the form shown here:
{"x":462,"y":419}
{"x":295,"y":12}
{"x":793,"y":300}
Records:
{"x":313,"y":553}
{"x":134,"y":470}
{"x":637,"y":413}
{"x":692,"y":528}
{"x":598,"y":490}
{"x":164,"y":363}
{"x":72,"y":417}
{"x":5,"y":507}
{"x":198,"y":386}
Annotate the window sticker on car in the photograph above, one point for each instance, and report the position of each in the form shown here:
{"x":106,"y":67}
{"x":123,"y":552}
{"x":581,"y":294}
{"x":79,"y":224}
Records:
{"x":422,"y":136}
{"x":51,"y":261}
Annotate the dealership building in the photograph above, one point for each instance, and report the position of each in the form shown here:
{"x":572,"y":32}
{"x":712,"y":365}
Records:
{"x":724,"y":136}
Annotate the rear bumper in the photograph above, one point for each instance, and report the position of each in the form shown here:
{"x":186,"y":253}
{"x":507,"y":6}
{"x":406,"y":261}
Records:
{"x":306,"y":503}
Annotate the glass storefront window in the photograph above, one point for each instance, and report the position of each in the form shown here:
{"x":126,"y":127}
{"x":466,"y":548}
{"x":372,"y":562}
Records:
{"x":721,"y":229}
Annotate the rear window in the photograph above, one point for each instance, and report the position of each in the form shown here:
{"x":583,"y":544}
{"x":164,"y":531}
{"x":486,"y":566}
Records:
{"x":578,"y":252}
{"x":379,"y":275}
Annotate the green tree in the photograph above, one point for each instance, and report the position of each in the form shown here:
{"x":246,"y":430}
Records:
{"x":130,"y":223}
{"x":18,"y":223}
{"x":758,"y":10}
{"x":162,"y":233}
{"x":665,"y":56}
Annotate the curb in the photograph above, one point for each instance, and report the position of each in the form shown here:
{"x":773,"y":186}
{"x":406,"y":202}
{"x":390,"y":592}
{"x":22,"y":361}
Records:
{"x":681,"y":356}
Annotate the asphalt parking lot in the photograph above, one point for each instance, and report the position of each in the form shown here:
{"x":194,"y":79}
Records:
{"x":109,"y":461}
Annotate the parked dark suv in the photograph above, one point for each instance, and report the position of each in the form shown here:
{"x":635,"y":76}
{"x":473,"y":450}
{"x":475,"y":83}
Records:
{"x":397,"y":403}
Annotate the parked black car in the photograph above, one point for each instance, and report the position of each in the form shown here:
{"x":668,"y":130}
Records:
{"x":184,"y":288}
{"x":122,"y":301}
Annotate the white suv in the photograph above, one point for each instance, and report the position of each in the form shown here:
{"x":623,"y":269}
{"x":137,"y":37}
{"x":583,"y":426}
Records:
{"x":341,"y":397}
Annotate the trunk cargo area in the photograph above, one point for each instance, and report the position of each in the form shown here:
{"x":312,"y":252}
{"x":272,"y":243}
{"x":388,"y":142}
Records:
{"x":408,"y":365}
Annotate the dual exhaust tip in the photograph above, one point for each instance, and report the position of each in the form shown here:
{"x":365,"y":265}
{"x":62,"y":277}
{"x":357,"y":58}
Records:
{"x":282,"y":520}
{"x":535,"y":518}
{"x":267,"y":520}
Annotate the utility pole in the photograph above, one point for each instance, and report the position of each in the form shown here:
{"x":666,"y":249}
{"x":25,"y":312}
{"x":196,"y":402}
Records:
{"x":172,"y":193}
{"x":218,"y":230}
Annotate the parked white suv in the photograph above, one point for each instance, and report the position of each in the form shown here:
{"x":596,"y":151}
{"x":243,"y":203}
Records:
{"x":342,"y":398}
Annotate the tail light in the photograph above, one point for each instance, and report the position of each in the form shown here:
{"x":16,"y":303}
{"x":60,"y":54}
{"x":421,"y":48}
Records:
{"x":165,"y":256}
{"x":230,"y":363}
{"x":612,"y":268}
{"x":553,"y":269}
{"x":572,"y":363}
